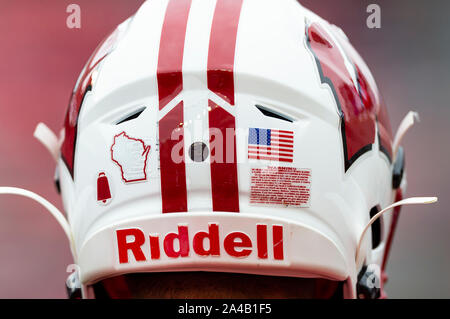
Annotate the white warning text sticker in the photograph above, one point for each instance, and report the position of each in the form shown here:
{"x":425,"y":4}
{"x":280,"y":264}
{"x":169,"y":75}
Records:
{"x":281,"y":186}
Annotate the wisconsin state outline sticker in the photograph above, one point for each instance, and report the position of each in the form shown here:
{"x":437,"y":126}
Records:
{"x":130,"y":154}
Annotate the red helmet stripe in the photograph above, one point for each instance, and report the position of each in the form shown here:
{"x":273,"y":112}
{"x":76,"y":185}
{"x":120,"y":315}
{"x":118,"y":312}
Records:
{"x":171,"y":50}
{"x":222,"y":47}
{"x":224,"y":180}
{"x":173,"y":174}
{"x":170,"y":84}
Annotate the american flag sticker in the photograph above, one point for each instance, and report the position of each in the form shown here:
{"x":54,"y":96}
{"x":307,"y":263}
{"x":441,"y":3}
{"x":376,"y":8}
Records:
{"x":271,"y":145}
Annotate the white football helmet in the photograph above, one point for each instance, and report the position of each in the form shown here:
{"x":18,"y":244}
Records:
{"x":243,"y":136}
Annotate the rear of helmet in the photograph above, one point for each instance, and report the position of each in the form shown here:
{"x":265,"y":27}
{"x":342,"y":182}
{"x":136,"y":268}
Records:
{"x":242,"y":136}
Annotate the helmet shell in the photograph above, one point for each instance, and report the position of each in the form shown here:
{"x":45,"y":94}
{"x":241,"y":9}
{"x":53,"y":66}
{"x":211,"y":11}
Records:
{"x":305,"y":136}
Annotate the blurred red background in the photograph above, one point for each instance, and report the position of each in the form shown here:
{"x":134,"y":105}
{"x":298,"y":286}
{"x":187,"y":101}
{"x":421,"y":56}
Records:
{"x":40,"y":59}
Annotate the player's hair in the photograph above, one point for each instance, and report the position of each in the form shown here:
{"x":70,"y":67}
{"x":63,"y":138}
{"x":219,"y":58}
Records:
{"x":213,"y":285}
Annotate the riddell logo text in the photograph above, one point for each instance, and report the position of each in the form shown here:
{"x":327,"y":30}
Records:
{"x":236,"y":244}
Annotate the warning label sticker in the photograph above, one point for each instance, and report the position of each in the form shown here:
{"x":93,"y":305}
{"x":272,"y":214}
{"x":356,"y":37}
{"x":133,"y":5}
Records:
{"x":283,"y":186}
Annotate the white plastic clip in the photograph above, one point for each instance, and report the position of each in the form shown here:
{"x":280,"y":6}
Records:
{"x":407,"y":122}
{"x":46,"y":136}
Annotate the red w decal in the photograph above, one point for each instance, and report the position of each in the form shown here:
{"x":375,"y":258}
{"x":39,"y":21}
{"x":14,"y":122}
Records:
{"x":356,"y":102}
{"x":83,"y":86}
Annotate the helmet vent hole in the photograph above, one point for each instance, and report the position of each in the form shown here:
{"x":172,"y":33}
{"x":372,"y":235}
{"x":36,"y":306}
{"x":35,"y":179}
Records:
{"x":274,"y":114}
{"x":376,"y":228}
{"x":132,"y":116}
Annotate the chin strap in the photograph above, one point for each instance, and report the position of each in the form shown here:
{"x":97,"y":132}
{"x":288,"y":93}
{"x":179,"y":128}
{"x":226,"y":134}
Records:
{"x":50,"y":207}
{"x":407,"y":201}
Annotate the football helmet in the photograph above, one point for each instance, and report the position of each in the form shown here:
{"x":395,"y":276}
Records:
{"x":243,"y":136}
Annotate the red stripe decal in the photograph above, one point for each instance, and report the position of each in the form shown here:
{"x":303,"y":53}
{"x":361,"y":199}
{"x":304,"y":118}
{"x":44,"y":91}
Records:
{"x":170,"y":63}
{"x":224,"y":180}
{"x":173,"y":172}
{"x":222,"y":48}
{"x":170,"y":84}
